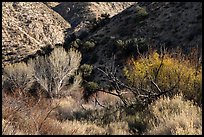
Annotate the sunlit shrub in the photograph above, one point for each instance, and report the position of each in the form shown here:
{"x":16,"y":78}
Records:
{"x":141,"y":13}
{"x":17,"y":76}
{"x":169,"y":73}
{"x":174,"y":117}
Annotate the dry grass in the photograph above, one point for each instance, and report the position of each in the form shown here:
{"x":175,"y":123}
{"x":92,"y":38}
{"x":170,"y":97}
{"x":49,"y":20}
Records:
{"x":175,"y":117}
{"x":118,"y":128}
{"x":25,"y":113}
{"x":168,"y":116}
{"x":81,"y":128}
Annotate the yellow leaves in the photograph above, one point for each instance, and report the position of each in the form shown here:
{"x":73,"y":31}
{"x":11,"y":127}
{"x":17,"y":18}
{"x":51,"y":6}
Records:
{"x":170,"y":72}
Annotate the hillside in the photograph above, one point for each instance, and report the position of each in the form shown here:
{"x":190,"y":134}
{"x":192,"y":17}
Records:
{"x":171,"y":24}
{"x":167,"y":23}
{"x":27,"y":26}
{"x":102,"y":68}
{"x":79,"y":14}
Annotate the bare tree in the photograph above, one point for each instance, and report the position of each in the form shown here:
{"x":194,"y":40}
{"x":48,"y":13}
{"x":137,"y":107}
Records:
{"x":141,"y":94}
{"x":53,"y":72}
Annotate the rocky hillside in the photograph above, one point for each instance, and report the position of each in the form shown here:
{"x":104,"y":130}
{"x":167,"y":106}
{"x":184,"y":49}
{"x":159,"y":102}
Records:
{"x":172,"y":24}
{"x":78,"y":14}
{"x":27,"y":26}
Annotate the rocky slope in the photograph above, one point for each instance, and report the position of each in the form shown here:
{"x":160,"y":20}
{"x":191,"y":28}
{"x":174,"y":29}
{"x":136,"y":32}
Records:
{"x":78,"y":14}
{"x":172,"y":24}
{"x":27,"y":26}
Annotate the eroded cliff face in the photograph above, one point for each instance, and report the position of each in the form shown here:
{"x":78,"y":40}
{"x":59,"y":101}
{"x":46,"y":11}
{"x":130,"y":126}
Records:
{"x":28,"y":26}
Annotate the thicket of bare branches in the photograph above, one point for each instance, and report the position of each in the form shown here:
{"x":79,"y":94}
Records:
{"x":17,"y":76}
{"x":53,"y":72}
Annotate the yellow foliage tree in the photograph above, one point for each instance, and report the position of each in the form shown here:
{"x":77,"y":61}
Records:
{"x":167,"y":72}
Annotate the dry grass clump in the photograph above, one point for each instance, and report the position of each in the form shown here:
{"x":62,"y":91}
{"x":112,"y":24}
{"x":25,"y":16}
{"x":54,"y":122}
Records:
{"x":118,"y":128}
{"x":8,"y":129}
{"x":66,"y":107}
{"x":175,"y":117}
{"x":81,"y":128}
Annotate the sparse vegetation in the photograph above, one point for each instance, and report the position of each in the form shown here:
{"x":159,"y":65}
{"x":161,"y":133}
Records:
{"x":112,"y":80}
{"x":17,"y":77}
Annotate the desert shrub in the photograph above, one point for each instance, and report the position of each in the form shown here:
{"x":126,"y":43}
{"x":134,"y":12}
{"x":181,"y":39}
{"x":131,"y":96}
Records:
{"x":86,"y":70}
{"x":26,"y":114}
{"x":105,"y":15}
{"x":17,"y":76}
{"x":120,"y":44}
{"x":137,"y":122}
{"x":141,"y":13}
{"x":88,"y":45}
{"x":175,"y":117}
{"x":53,"y":72}
{"x":117,"y":128}
{"x":90,"y":88}
{"x":131,"y":46}
{"x":81,"y":128}
{"x":76,"y":44}
{"x":167,"y":73}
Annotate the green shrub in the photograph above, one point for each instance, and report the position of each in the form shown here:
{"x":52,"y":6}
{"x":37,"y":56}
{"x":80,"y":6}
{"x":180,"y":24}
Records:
{"x":120,"y":44}
{"x":141,"y":13}
{"x":90,"y":88}
{"x":131,"y":46}
{"x":86,"y":70}
{"x":88,"y":45}
{"x":76,"y":44}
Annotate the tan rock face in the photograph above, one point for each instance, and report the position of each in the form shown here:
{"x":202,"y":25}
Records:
{"x":78,"y":14}
{"x":27,"y":26}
